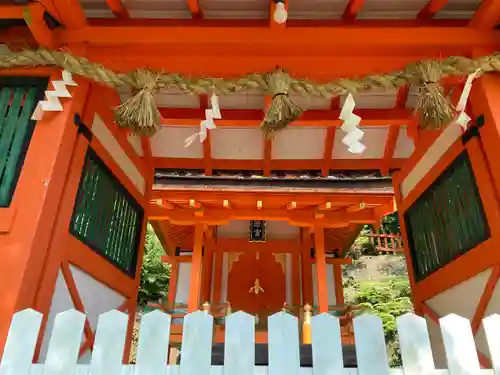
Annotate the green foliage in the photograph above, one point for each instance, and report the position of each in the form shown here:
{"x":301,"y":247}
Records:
{"x":155,"y":274}
{"x":390,"y":224}
{"x":364,"y":244}
{"x":388,"y":300}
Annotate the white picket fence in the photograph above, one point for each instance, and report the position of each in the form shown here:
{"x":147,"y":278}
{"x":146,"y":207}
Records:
{"x":239,"y":353}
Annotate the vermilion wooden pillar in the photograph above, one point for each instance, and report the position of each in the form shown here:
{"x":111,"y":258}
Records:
{"x":196,"y":269}
{"x":319,"y":245}
{"x":26,"y":225}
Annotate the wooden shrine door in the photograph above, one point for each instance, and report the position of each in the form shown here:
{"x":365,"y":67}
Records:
{"x":261,"y":266}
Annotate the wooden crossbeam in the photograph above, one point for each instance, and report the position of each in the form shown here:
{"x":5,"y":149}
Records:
{"x":307,"y":40}
{"x":253,"y":117}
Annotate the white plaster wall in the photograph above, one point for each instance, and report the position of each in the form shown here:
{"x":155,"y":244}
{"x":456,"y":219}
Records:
{"x":330,"y":282}
{"x":136,"y":143}
{"x":430,"y":158}
{"x":281,"y":230}
{"x":109,"y":142}
{"x":234,"y":229}
{"x":61,"y":301}
{"x":462,"y":299}
{"x":96,"y":298}
{"x":182,"y":292}
{"x":332,"y":298}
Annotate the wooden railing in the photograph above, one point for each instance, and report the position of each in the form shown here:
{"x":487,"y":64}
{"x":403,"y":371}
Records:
{"x":304,"y":314}
{"x":283,"y":350}
{"x":384,"y":243}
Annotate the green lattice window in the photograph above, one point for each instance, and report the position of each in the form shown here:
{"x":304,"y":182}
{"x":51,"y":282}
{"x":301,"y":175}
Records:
{"x":18,"y":97}
{"x":105,"y":216}
{"x":447,"y":220}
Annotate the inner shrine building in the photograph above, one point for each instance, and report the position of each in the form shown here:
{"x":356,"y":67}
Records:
{"x":257,"y":138}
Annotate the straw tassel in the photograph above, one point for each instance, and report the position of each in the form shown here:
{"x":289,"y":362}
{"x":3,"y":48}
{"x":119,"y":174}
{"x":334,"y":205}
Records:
{"x":139,"y":113}
{"x":282,"y":111}
{"x":433,"y":108}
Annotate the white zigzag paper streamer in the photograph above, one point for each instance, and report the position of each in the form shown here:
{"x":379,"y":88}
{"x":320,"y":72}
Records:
{"x":207,"y":124}
{"x":350,"y":126}
{"x":52,"y":102}
{"x":463,"y":119}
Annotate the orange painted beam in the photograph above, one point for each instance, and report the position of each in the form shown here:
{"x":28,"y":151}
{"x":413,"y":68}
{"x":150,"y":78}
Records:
{"x":34,"y":17}
{"x":390,"y":146}
{"x":352,"y":9}
{"x":268,"y":144}
{"x":432,"y":7}
{"x":71,"y":14}
{"x":228,"y":245}
{"x":147,"y":22}
{"x":327,"y":154}
{"x":487,"y":16}
{"x":305,"y":40}
{"x":281,"y":165}
{"x":118,"y":9}
{"x":253,"y":117}
{"x":305,"y":218}
{"x":248,"y":198}
{"x":11,"y":12}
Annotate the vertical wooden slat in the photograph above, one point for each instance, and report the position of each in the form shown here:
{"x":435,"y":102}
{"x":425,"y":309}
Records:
{"x":20,"y":346}
{"x":371,"y":351}
{"x":64,"y":345}
{"x":326,"y":345}
{"x":284,"y":356}
{"x":491,"y":327}
{"x":415,"y":345}
{"x":239,"y":347}
{"x":196,"y":352}
{"x":109,"y":343}
{"x":154,"y":336}
{"x":459,"y":345}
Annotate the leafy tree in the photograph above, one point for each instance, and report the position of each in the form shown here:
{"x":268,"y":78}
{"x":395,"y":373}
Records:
{"x":388,"y":300}
{"x":155,"y":274}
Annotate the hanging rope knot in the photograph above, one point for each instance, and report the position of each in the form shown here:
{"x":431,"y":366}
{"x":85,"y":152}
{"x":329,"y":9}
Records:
{"x":282,"y":111}
{"x":278,"y":94}
{"x":139,"y":112}
{"x":433,"y":109}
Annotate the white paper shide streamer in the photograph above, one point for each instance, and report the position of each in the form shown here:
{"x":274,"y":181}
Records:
{"x":462,"y":118}
{"x":52,"y":102}
{"x":207,"y":124}
{"x":353,"y":135}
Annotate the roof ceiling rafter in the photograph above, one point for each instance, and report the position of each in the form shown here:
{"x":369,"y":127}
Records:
{"x":352,"y":9}
{"x":432,"y":7}
{"x":487,"y":17}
